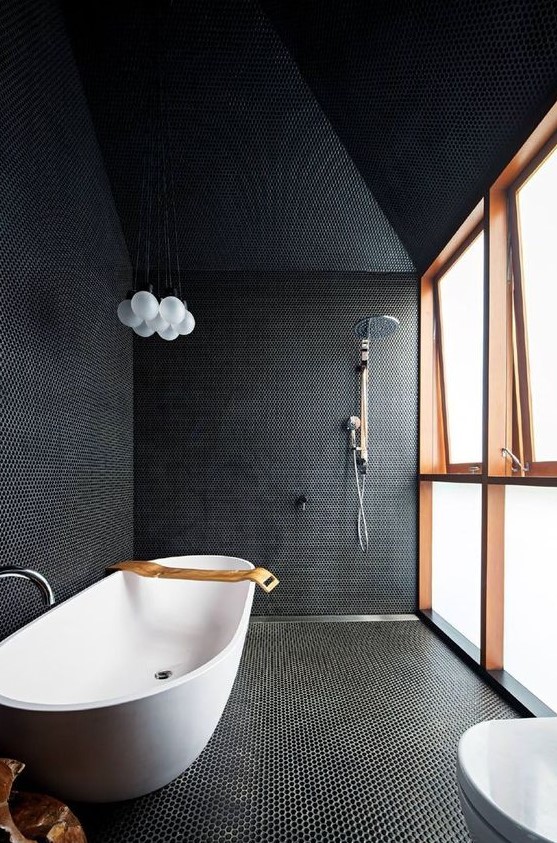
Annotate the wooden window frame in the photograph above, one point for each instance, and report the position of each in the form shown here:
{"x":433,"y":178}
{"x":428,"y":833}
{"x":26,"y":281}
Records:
{"x":503,"y":411}
{"x":522,"y":438}
{"x":434,"y":446}
{"x":433,"y":443}
{"x":451,"y":467}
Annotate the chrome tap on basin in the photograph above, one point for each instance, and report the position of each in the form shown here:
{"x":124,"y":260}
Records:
{"x":33,"y":576}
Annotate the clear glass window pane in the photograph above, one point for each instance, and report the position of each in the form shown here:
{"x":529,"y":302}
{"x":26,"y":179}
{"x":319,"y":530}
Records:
{"x":537,"y":212}
{"x":531,"y":589}
{"x":461,"y":311}
{"x":456,"y":556}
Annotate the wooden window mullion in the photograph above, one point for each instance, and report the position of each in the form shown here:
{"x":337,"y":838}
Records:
{"x":441,"y":391}
{"x":425,"y":577}
{"x":493,"y":576}
{"x":543,"y":469}
{"x":522,"y":371}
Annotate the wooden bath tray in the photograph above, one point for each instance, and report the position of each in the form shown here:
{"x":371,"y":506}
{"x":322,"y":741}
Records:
{"x":28,"y":817}
{"x":261,"y":576}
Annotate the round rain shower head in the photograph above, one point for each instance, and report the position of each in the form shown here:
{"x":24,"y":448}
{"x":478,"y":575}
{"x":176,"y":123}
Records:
{"x":375,"y":327}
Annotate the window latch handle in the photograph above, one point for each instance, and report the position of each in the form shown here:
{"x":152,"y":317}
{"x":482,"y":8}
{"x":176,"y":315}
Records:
{"x":516,"y":464}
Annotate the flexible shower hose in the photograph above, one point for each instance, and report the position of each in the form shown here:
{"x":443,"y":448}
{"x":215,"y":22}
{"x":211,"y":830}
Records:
{"x":363,"y":538}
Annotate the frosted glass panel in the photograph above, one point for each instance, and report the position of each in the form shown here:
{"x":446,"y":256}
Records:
{"x":457,"y":528}
{"x":537,"y":205}
{"x":461,"y":307}
{"x":531,"y":590}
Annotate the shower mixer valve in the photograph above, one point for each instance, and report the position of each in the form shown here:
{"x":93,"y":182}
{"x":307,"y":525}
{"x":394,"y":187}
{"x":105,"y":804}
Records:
{"x":301,"y":502}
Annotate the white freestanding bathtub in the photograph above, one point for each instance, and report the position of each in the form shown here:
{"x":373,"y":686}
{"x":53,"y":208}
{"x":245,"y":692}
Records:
{"x":79,"y":701}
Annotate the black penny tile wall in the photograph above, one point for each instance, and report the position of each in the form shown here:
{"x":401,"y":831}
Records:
{"x":236,"y":421}
{"x":66,"y":479}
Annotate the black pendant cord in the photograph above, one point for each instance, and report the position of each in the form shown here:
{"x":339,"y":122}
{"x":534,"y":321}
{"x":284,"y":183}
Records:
{"x":172,"y":197}
{"x":163,"y":147}
{"x":157,"y":187}
{"x":149,"y":196}
{"x":141,"y":221}
{"x":158,"y":156}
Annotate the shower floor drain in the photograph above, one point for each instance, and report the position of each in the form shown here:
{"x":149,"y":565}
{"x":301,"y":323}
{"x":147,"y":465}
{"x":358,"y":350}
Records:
{"x":163,"y":674}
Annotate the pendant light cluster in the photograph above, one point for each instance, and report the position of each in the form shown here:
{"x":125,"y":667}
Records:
{"x":169,"y":319}
{"x":156,"y":303}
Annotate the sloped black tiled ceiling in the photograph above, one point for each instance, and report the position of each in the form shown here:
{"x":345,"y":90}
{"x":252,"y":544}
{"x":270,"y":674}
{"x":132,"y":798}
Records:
{"x":430,"y":97}
{"x":262,"y":180}
{"x":291,"y":118}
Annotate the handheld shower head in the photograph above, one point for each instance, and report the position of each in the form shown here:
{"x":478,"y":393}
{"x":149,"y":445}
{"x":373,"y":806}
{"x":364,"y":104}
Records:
{"x":352,"y":426}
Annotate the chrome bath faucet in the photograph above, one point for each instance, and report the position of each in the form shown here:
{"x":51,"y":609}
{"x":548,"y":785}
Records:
{"x":33,"y":576}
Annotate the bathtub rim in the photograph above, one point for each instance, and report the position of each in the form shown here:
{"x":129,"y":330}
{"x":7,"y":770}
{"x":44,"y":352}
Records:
{"x":113,"y":702}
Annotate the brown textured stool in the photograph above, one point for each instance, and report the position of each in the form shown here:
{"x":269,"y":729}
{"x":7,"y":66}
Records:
{"x":25,"y":817}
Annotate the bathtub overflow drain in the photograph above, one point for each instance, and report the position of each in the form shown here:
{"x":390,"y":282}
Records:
{"x":163,"y":674}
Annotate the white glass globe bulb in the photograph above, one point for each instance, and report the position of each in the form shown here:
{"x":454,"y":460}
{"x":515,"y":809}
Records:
{"x":145,"y":305}
{"x":158,"y":323}
{"x":143,"y":330}
{"x":187,"y":324}
{"x":172,"y":309}
{"x":169,"y":333}
{"x":126,"y":315}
